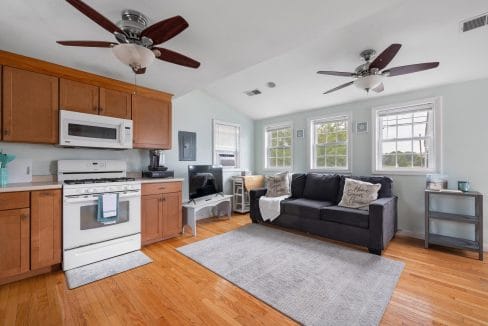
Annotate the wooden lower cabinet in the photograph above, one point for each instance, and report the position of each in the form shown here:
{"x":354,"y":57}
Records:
{"x":14,"y":242}
{"x":161,"y":211}
{"x":30,"y":233}
{"x":45,"y":228}
{"x":151,"y":213}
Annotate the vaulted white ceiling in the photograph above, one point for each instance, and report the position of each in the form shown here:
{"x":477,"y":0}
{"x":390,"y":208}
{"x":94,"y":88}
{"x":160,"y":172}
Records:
{"x":242,"y":45}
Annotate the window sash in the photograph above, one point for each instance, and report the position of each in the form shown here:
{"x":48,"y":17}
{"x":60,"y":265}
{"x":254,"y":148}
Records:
{"x":276,"y":153}
{"x":226,"y":138}
{"x":326,"y":158}
{"x":391,"y":118}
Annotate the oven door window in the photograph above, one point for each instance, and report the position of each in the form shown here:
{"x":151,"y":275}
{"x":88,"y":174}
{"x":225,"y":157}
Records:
{"x":87,"y":131}
{"x":88,"y":216}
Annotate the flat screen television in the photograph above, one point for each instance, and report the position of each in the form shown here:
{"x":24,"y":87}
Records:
{"x":204,"y":180}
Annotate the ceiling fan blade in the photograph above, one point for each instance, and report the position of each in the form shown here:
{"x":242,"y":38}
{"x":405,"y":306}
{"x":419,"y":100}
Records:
{"x":403,"y":70}
{"x":92,"y":44}
{"x":385,"y":57}
{"x":339,"y":87}
{"x":380,"y":88}
{"x":139,"y":71}
{"x":165,"y":29}
{"x":95,"y":16}
{"x":337,"y":73}
{"x":176,"y":58}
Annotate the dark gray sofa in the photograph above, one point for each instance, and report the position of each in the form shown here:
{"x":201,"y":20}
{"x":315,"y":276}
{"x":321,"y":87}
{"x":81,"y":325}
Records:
{"x":313,"y":208}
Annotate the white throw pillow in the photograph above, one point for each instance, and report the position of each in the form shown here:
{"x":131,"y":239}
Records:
{"x":359,"y":194}
{"x":278,"y":185}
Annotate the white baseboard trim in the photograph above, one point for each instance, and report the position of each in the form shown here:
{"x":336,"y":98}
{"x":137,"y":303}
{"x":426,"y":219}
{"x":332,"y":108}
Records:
{"x":421,"y":236}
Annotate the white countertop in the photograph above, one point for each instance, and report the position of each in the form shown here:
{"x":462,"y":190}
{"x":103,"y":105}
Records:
{"x":31,"y":186}
{"x":159,"y":180}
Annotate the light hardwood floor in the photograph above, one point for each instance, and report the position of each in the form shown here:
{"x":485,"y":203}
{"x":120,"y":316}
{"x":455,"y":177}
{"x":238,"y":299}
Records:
{"x":437,"y":287}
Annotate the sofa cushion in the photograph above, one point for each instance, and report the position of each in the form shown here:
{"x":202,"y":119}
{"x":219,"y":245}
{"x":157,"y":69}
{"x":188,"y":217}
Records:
{"x":278,"y":185}
{"x":359,"y":194}
{"x":305,"y":208}
{"x":385,"y":190}
{"x":322,"y":187}
{"x":298,"y":184}
{"x":347,"y":216}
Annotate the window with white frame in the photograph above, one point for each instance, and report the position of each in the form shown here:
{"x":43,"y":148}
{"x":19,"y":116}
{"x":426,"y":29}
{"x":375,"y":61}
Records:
{"x":330,"y":143}
{"x":278,"y":151}
{"x":407,"y":137}
{"x":226,"y":143}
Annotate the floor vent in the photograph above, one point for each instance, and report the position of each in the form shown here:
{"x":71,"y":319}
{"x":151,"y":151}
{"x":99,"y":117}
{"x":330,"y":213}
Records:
{"x":474,"y":23}
{"x":253,"y":92}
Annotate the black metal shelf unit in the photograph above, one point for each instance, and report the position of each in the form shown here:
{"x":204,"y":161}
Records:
{"x":453,"y":242}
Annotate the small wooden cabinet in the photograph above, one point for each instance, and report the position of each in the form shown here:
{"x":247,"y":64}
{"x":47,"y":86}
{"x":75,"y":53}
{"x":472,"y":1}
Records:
{"x":30,"y":106}
{"x":79,"y":97}
{"x":152,"y":119}
{"x":91,"y":99}
{"x":45,"y":228}
{"x":30,"y":233}
{"x":14,"y":242}
{"x":161,"y":211}
{"x":115,"y":103}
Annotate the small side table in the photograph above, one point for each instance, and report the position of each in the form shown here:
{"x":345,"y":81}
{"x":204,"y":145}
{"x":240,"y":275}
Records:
{"x":454,"y":242}
{"x":206,"y":207}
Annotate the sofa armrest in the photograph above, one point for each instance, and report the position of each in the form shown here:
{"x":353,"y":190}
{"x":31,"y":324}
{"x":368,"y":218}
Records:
{"x":254,"y":196}
{"x":382,"y":222}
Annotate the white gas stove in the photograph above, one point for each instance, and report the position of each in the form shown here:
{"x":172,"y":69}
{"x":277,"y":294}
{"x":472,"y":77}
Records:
{"x":86,"y":239}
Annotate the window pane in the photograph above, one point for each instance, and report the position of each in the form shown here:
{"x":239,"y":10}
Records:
{"x":404,"y":146}
{"x":404,"y":160}
{"x":330,"y":161}
{"x":342,"y":136}
{"x":419,"y":161}
{"x":405,"y":131}
{"x":331,"y":137}
{"x":389,"y":147}
{"x":341,"y":150}
{"x":389,"y":161}
{"x":341,"y":161}
{"x":320,"y":161}
{"x":420,"y":130}
{"x":331,"y":150}
{"x":389,"y":132}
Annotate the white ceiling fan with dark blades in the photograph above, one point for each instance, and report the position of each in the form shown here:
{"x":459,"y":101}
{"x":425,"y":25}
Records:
{"x":370,"y":75}
{"x":136,"y":41}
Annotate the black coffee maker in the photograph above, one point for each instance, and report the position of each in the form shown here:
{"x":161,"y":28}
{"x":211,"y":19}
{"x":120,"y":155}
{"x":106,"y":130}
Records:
{"x":156,"y":168}
{"x":156,"y":160}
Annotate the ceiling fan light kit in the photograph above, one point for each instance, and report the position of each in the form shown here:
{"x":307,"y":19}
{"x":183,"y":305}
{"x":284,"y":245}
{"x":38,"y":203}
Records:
{"x":135,"y":38}
{"x":134,"y":55}
{"x":369,"y":75}
{"x":368,"y":82}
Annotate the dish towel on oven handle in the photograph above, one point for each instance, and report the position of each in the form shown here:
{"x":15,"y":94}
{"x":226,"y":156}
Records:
{"x":108,"y":205}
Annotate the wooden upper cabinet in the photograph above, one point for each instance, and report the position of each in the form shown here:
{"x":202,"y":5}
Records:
{"x":45,"y":228}
{"x":79,"y":97}
{"x":152,"y":119}
{"x":115,"y":103}
{"x":30,"y":106}
{"x":14,"y":242}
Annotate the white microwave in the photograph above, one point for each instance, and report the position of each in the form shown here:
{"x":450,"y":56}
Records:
{"x":90,"y":130}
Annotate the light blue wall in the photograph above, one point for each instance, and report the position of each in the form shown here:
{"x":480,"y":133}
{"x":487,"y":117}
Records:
{"x":192,"y":112}
{"x":465,"y":137}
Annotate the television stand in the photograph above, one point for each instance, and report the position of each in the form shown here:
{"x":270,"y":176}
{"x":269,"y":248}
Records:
{"x":210,"y":206}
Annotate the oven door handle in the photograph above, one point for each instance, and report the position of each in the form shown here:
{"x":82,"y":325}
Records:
{"x":82,"y":199}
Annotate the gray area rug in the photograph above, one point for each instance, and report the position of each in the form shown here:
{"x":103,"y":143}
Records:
{"x":90,"y":273}
{"x":312,"y":281}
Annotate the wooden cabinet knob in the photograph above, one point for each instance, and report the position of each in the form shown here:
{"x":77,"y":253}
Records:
{"x":24,"y":216}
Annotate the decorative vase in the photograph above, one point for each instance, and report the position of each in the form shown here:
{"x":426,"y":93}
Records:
{"x":3,"y":177}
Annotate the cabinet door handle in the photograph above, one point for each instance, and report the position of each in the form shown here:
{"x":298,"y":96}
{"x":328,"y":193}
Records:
{"x":6,"y":132}
{"x":95,"y":109}
{"x":24,"y":216}
{"x":101,"y":110}
{"x":162,"y":188}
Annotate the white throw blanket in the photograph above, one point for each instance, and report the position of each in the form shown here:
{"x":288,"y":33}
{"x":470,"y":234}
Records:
{"x":270,"y":207}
